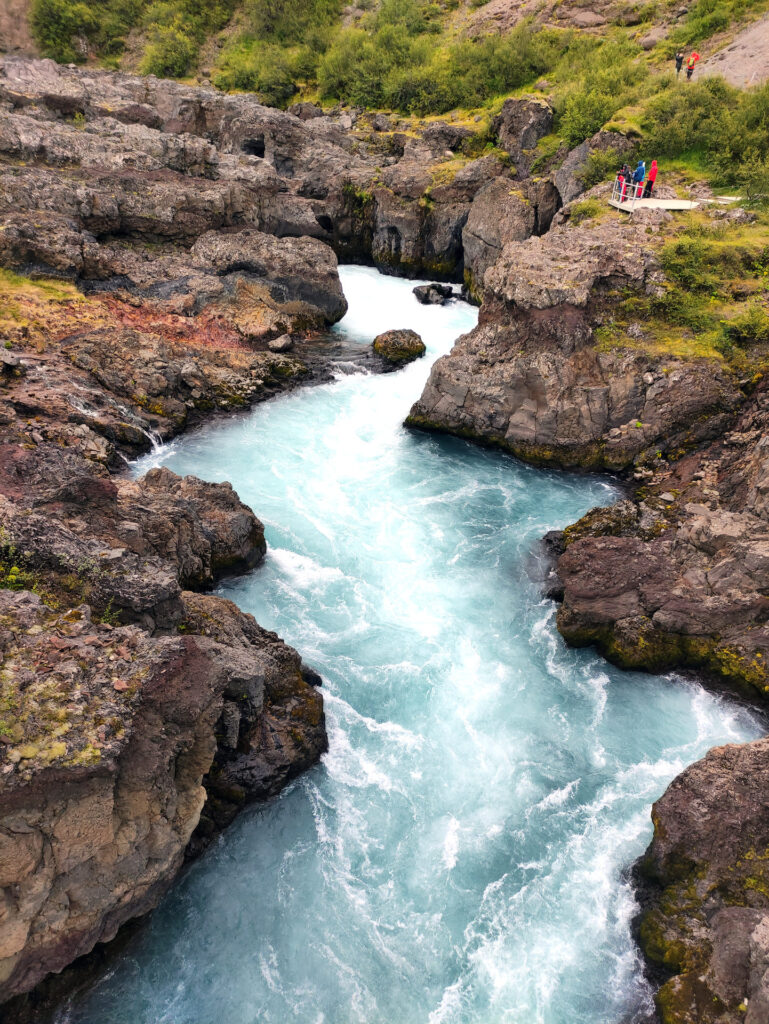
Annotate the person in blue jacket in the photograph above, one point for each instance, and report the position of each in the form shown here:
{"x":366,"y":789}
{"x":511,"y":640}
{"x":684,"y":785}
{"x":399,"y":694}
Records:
{"x":638,"y":176}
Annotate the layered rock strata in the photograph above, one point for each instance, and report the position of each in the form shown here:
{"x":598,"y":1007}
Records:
{"x":128,"y":172}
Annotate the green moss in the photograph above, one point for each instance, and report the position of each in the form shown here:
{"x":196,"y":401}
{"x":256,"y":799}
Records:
{"x":657,"y":945}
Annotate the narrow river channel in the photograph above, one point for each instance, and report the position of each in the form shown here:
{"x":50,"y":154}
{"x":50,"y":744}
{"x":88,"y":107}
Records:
{"x":458,"y":856}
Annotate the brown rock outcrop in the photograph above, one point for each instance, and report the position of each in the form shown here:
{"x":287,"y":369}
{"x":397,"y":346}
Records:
{"x":521,"y":123}
{"x":530,"y":379}
{"x":706,"y":912}
{"x":502,"y":212}
{"x":570,"y":177}
{"x":682,"y":574}
{"x":108,"y":736}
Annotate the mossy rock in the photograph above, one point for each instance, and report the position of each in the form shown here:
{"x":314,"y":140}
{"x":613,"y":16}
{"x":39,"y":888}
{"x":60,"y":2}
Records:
{"x":399,"y":347}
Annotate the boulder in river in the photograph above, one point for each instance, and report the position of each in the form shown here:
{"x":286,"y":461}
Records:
{"x":433,"y":294}
{"x":399,"y":347}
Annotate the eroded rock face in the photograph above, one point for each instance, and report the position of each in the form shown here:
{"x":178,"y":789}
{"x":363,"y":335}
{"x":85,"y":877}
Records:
{"x":706,"y":917}
{"x":570,"y":177}
{"x":530,"y":379}
{"x":697,"y":547}
{"x":503,"y":212}
{"x":520,"y":125}
{"x":101,"y":797}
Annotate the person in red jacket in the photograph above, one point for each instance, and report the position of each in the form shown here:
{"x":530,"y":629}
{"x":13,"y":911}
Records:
{"x":649,"y":188}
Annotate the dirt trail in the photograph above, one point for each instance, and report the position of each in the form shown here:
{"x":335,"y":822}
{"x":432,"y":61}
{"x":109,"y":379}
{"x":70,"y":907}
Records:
{"x":745,"y":61}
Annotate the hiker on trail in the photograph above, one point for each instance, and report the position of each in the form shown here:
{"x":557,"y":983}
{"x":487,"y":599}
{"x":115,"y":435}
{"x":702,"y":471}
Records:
{"x":690,"y":65}
{"x":650,"y":180}
{"x":638,"y":176}
{"x":679,"y":59}
{"x":622,"y":182}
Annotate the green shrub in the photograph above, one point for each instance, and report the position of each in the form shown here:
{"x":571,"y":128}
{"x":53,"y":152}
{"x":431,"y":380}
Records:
{"x":602,"y":164}
{"x":585,"y":210}
{"x":170,"y":53}
{"x":584,"y":114}
{"x":748,"y":328}
{"x":267,"y":69}
{"x":56,"y":23}
{"x":683,"y":310}
{"x":690,"y":262}
{"x":753,"y":175}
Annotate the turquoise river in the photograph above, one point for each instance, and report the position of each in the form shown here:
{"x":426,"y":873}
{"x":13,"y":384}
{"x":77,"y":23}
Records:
{"x":460,"y":855}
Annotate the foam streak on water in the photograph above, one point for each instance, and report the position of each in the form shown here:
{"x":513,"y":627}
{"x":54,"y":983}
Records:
{"x":457,"y":857}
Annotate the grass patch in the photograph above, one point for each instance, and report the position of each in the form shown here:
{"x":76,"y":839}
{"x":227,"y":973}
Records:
{"x":715,"y":302}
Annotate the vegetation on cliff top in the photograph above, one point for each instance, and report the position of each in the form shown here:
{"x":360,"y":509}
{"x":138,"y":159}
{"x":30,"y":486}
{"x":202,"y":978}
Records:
{"x":715,"y":303}
{"x":415,"y":57}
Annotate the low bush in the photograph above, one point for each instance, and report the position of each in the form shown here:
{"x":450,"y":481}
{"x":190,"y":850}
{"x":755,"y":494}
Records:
{"x":57,"y":24}
{"x":170,"y":53}
{"x":586,"y":210}
{"x":748,"y":328}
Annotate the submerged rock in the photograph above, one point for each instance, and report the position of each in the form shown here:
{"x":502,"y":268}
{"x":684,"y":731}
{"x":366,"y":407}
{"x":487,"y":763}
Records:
{"x":399,"y":347}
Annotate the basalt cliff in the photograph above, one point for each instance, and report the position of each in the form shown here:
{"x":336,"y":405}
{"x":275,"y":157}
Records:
{"x":171,"y":252}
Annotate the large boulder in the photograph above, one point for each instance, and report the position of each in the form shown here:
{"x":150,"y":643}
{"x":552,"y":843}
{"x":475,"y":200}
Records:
{"x":298,"y":276}
{"x":399,"y":347}
{"x":201,"y":528}
{"x":503,"y":212}
{"x":521,"y":123}
{"x":99,"y":802}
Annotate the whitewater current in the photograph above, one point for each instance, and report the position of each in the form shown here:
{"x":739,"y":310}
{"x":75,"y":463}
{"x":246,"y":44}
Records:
{"x":460,"y":854}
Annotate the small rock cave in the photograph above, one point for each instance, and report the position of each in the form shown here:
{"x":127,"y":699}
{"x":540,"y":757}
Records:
{"x":253,"y":147}
{"x":325,"y":222}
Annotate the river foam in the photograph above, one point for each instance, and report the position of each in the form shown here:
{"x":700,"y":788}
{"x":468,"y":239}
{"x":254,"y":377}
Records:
{"x":458,"y":857}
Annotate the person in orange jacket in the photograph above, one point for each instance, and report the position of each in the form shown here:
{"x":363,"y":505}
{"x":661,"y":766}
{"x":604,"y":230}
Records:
{"x":649,"y":187}
{"x":690,"y":66}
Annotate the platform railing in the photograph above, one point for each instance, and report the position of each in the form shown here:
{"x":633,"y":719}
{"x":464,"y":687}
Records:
{"x":627,"y":192}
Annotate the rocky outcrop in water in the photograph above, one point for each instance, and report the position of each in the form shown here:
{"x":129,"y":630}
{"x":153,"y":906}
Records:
{"x":706,"y":903}
{"x":679,"y":576}
{"x":399,"y":347}
{"x":129,"y":706}
{"x":531,"y":379}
